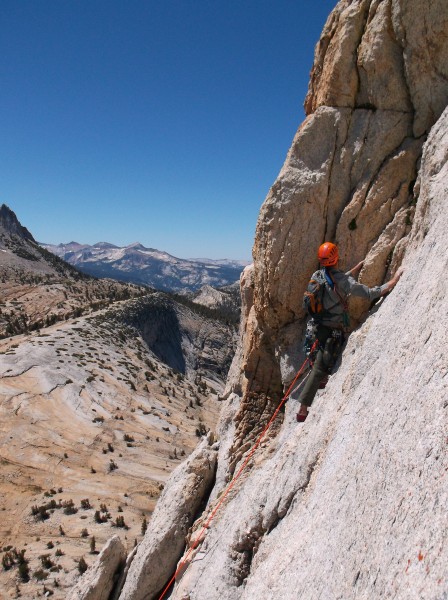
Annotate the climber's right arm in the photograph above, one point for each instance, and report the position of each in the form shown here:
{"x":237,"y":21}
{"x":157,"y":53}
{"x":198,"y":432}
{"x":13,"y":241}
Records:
{"x":389,"y":286}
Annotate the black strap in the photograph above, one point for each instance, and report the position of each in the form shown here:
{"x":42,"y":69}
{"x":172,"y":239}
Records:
{"x":341,"y":299}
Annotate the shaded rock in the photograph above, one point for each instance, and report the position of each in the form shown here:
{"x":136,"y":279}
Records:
{"x":225,"y":433}
{"x":10,"y":224}
{"x":98,"y":581}
{"x":180,"y":335}
{"x":120,"y":583}
{"x":158,"y":553}
{"x":234,"y":376}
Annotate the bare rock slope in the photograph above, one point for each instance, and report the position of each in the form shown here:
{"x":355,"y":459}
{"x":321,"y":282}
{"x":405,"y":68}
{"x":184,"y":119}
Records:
{"x":95,"y":413}
{"x":353,"y":503}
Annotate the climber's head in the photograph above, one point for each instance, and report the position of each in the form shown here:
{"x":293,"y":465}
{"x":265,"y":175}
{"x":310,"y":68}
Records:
{"x":328,"y":254}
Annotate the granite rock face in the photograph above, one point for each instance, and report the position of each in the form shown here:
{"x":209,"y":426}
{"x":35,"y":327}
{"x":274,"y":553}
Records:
{"x":97,"y":582}
{"x":352,"y":504}
{"x":157,"y":555}
{"x":379,"y":82}
{"x":384,"y":55}
{"x":234,"y":376}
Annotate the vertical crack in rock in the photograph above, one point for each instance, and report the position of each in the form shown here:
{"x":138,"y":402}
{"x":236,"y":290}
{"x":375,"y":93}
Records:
{"x":285,"y":503}
{"x":328,"y":197}
{"x":99,"y":580}
{"x":244,"y":549}
{"x":319,"y":59}
{"x":382,"y":83}
{"x":255,"y":411}
{"x":374,"y":178}
{"x":334,"y":78}
{"x":399,"y":29}
{"x":360,"y":70}
{"x":440,"y":74}
{"x":250,"y":537}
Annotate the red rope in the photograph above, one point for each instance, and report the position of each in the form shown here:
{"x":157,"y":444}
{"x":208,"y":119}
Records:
{"x":235,"y":478}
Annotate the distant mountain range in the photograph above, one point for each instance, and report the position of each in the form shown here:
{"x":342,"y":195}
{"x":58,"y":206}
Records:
{"x":137,"y":264}
{"x":38,"y":288}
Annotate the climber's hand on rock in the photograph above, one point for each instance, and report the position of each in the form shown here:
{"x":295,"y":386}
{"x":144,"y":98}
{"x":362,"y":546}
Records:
{"x":356,"y":269}
{"x":395,"y":279}
{"x":393,"y":282}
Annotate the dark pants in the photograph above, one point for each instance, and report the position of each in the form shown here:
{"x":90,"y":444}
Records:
{"x":327,"y":355}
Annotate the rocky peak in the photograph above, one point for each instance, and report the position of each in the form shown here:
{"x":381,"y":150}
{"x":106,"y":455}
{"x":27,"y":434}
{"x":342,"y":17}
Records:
{"x":105,"y":245}
{"x":383,"y":55}
{"x":11,"y":225}
{"x":136,"y":246}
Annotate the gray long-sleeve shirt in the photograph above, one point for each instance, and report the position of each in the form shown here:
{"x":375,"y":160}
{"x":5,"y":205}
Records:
{"x":333,"y":300}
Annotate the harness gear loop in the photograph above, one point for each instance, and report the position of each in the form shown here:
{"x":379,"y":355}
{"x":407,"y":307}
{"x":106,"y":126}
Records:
{"x":203,"y":531}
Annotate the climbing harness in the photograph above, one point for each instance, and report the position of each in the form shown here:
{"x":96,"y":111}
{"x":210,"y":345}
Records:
{"x":203,"y":531}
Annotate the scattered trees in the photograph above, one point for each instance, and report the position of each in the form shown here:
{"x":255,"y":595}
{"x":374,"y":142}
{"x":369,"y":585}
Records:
{"x":82,"y":565}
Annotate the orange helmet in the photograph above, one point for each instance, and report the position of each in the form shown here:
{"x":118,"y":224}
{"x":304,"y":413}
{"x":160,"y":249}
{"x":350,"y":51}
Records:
{"x":328,"y":254}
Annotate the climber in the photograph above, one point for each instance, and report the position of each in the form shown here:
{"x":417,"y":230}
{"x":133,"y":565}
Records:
{"x":326,"y":301}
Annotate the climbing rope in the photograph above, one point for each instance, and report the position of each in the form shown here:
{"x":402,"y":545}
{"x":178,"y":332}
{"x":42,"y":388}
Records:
{"x":206,"y":526}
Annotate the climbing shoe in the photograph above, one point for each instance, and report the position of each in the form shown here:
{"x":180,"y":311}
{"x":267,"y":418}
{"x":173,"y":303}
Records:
{"x":301,"y":417}
{"x":323,"y":383}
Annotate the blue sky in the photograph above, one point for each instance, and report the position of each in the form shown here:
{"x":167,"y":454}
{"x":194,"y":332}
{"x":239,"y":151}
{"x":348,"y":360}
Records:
{"x":164,"y":122}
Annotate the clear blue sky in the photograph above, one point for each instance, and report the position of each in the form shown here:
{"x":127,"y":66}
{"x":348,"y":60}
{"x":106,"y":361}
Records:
{"x":164,"y":122}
